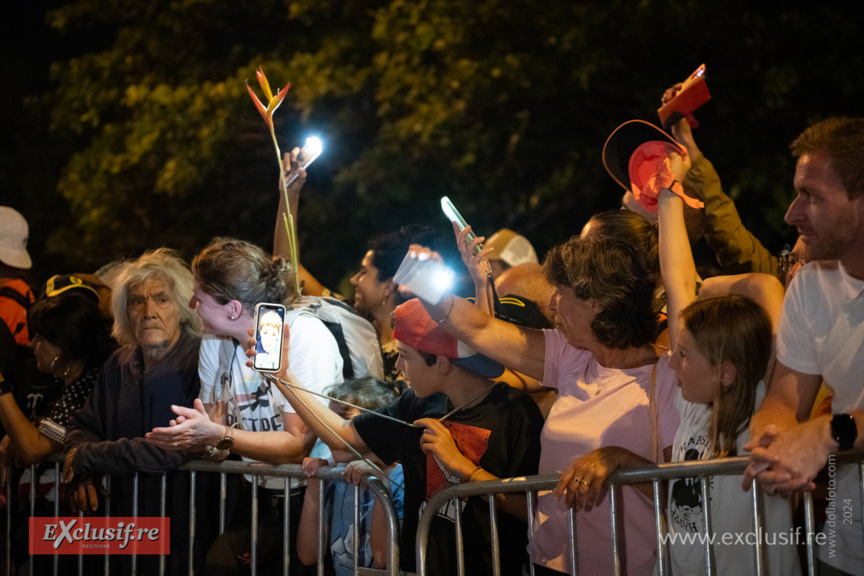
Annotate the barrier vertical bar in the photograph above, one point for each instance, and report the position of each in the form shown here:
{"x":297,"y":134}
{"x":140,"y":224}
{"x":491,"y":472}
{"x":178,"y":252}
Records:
{"x":614,"y":505}
{"x":493,"y":530}
{"x":320,"y":528}
{"x":356,"y":549}
{"x":759,"y":527}
{"x":81,"y":556}
{"x":106,"y":568}
{"x":32,"y":497}
{"x":135,"y":479}
{"x":710,"y":560}
{"x":574,"y":561}
{"x":56,"y":508}
{"x":529,"y":502}
{"x":658,"y":525}
{"x":254,"y":528}
{"x":163,"y":489}
{"x":861,"y":491}
{"x":810,"y":529}
{"x":192,"y":483}
{"x":8,"y":519}
{"x":223,"y":497}
{"x":460,"y":543}
{"x":286,"y":523}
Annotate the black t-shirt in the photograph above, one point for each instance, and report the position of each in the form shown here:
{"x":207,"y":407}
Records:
{"x":501,"y":434}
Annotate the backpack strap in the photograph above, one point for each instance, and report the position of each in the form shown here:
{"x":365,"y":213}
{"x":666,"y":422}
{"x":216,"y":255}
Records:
{"x":16,"y":296}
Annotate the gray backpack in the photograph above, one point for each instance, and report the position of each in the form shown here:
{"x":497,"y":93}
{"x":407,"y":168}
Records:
{"x":355,"y":336}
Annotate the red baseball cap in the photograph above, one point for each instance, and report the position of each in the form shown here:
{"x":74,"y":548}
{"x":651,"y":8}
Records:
{"x":416,"y":329}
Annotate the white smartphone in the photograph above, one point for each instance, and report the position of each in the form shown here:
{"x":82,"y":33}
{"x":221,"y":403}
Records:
{"x":454,"y":216}
{"x":269,"y":331}
{"x":308,"y":154}
{"x":427,"y":279}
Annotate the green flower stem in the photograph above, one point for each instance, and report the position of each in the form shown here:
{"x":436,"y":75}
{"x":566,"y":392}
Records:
{"x":287,"y":218}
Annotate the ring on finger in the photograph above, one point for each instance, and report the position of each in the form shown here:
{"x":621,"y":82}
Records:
{"x":584,"y":483}
{"x":574,"y":481}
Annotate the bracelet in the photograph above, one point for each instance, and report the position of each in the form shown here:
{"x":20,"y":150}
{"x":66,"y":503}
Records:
{"x":5,"y":387}
{"x":473,"y":473}
{"x":447,"y":316}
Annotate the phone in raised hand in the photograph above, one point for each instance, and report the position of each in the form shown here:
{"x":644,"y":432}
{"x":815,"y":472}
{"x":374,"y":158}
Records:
{"x":308,"y":154}
{"x":453,"y":214}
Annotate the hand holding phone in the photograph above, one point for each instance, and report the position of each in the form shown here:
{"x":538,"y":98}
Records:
{"x":454,"y":216}
{"x":308,"y":154}
{"x":425,"y":277}
{"x":693,"y":94}
{"x":269,"y":332}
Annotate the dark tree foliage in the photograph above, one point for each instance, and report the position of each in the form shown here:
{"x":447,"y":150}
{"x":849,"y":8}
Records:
{"x":503,"y":105}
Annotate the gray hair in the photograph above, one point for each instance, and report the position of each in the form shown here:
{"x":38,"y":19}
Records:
{"x":164,"y":264}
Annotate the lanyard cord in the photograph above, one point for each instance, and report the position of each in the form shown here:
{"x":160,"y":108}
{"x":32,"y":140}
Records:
{"x":384,"y":475}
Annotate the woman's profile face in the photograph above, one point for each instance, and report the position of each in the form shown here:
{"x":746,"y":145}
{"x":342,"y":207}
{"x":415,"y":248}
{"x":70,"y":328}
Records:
{"x":46,"y":353}
{"x":369,"y":291}
{"x":213,"y":315}
{"x":573,"y":316}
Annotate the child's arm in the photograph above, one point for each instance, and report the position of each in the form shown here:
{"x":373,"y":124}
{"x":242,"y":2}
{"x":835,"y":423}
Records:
{"x":676,"y":258}
{"x":307,"y":531}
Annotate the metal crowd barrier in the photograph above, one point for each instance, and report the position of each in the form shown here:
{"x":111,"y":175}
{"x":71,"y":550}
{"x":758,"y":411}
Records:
{"x":223,"y":469}
{"x":656,"y":474}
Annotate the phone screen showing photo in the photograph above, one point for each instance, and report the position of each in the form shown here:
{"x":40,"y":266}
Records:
{"x":269,"y":330}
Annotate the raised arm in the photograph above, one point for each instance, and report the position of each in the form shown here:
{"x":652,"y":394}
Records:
{"x":332,"y":429}
{"x":281,"y":246}
{"x":520,"y":349}
{"x":676,"y":258}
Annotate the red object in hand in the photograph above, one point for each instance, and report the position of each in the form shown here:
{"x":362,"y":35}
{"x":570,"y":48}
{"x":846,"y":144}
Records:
{"x":693,"y":94}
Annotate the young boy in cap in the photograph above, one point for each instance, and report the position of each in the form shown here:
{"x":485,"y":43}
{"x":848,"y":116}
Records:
{"x":492,"y":431}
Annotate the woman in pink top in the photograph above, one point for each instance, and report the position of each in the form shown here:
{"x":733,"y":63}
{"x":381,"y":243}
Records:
{"x":601,"y":359}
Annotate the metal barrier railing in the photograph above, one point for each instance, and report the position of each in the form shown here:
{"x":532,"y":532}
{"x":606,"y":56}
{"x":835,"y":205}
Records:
{"x":530,"y":486}
{"x":657,"y":475}
{"x":223,"y":469}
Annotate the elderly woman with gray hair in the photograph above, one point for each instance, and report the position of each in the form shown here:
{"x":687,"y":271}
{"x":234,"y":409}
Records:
{"x":155,"y":368}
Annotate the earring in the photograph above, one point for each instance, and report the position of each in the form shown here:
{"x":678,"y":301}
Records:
{"x":231,"y":317}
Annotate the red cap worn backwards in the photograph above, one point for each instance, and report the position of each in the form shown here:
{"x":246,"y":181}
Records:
{"x":416,"y":329}
{"x":636,"y":155}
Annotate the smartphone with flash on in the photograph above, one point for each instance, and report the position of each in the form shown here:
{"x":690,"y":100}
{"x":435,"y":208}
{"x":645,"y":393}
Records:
{"x":269,"y":332}
{"x":454,"y":216}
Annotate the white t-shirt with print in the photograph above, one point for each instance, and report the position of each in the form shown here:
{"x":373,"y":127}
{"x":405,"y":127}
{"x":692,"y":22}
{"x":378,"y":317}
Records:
{"x":731,"y":509}
{"x":313,"y":357}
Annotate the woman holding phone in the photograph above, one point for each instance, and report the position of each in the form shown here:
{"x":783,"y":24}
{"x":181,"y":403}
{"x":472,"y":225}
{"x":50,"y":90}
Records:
{"x":236,"y":411}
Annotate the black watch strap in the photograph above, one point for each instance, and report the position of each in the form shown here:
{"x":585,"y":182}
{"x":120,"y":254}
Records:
{"x":844,"y":430}
{"x":5,"y":387}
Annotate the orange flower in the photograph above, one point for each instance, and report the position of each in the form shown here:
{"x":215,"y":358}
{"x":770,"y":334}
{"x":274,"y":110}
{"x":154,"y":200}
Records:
{"x":273,"y":102}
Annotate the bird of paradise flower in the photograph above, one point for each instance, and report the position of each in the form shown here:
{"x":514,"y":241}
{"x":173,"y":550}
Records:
{"x":266,"y":112}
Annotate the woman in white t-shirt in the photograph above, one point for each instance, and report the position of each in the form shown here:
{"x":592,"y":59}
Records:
{"x":236,"y":411}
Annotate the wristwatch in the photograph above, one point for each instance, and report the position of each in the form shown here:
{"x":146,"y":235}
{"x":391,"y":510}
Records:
{"x":227,"y":442}
{"x":844,"y":430}
{"x":5,"y":387}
